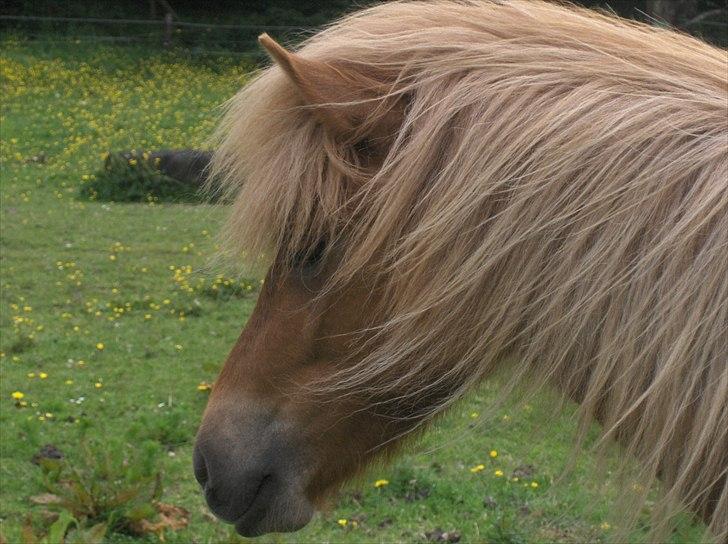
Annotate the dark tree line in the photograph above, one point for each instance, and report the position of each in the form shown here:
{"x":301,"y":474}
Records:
{"x":707,"y":18}
{"x":313,"y":12}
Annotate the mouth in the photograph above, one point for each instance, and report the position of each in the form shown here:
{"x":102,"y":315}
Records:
{"x":271,"y":511}
{"x":271,"y":504}
{"x":250,"y":522}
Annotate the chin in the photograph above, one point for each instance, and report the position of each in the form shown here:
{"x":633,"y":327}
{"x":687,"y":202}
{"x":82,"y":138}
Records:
{"x":278,"y":517}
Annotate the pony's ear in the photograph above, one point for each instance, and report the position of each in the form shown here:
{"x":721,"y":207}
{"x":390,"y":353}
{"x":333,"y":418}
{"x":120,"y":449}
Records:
{"x":340,"y":96}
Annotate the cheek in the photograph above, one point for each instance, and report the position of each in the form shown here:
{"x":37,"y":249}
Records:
{"x":339,"y":445}
{"x":341,"y":439}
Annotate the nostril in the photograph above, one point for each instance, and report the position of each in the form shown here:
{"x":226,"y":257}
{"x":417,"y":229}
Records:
{"x":200,"y":467}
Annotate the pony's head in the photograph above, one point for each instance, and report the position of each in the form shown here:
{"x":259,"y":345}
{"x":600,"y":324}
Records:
{"x":433,"y":187}
{"x":282,"y":426}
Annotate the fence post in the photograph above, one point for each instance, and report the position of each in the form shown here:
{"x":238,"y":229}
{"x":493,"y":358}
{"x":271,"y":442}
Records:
{"x":167,"y":29}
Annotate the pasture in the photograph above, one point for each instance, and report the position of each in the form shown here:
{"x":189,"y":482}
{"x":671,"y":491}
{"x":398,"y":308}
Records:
{"x":114,"y":323}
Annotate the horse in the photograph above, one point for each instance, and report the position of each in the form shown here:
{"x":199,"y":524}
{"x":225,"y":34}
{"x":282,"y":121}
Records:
{"x":442,"y":190}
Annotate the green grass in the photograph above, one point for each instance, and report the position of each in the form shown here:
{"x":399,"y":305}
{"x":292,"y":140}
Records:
{"x":114,"y":304}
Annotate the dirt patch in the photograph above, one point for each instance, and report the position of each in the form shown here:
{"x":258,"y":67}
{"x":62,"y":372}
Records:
{"x":438,"y":535}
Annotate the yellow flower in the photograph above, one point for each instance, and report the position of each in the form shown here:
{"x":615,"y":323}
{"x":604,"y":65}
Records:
{"x":98,"y":385}
{"x":343,"y":522}
{"x":493,"y":454}
{"x":204,"y":386}
{"x":477,"y":468}
{"x":68,"y":382}
{"x":604,"y":526}
{"x":474,"y":415}
{"x":498,"y":473}
{"x":100,"y":346}
{"x":42,"y":375}
{"x":381,"y":483}
{"x":17,"y":395}
{"x":31,"y":375}
{"x":534,"y":485}
{"x":112,"y":257}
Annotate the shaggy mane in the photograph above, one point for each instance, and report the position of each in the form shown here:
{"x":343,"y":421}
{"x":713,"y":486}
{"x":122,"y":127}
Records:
{"x":557,"y":194}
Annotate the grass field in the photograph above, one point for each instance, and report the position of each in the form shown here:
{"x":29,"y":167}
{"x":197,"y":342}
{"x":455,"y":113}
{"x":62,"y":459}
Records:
{"x":113,"y":323}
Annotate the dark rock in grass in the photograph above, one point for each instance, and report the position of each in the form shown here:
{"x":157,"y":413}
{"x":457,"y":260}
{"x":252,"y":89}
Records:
{"x":49,"y":451}
{"x":48,"y":516}
{"x":40,"y":158}
{"x":489,"y":502}
{"x":188,"y":166}
{"x":438,"y":535}
{"x":416,"y":491}
{"x":169,"y":175}
{"x":523,"y":472}
{"x":386,"y":522}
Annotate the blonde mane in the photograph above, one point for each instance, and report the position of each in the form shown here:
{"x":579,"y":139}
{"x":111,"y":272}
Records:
{"x":557,"y":194}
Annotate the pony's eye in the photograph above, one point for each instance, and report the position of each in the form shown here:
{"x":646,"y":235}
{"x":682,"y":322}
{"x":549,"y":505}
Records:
{"x":310,"y":256}
{"x":363,"y":147}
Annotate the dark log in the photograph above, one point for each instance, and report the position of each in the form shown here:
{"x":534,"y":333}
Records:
{"x":188,"y":166}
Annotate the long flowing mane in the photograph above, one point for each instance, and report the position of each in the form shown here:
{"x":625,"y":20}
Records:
{"x":557,"y":194}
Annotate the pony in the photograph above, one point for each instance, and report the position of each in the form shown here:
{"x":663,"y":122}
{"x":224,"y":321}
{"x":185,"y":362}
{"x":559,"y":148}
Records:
{"x":441,"y":190}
